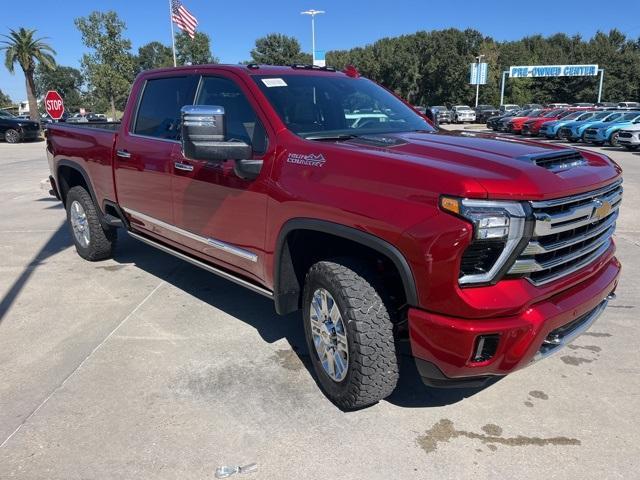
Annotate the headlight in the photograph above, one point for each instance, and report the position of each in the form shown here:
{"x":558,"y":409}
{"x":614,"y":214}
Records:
{"x":498,"y":228}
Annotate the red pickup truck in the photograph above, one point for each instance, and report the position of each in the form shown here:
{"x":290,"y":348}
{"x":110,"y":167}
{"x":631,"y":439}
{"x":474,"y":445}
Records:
{"x":328,"y":194}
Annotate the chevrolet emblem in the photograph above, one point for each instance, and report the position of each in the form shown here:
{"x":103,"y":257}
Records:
{"x":601,"y":209}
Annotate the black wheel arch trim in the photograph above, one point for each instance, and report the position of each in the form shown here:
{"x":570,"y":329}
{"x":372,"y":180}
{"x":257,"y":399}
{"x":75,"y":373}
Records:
{"x":287,"y":290}
{"x":85,"y":176}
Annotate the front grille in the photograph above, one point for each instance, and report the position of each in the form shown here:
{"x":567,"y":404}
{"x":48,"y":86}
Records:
{"x":569,"y":233}
{"x":591,"y":131}
{"x":565,"y":132}
{"x":625,"y":135}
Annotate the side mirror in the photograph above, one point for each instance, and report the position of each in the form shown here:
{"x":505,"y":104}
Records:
{"x":203,"y":135}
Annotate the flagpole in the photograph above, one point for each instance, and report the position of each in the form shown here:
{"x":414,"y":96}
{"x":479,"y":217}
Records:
{"x":173,"y":37}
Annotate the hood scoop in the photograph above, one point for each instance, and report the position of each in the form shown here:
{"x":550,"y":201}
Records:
{"x":557,"y":161}
{"x":378,"y":141}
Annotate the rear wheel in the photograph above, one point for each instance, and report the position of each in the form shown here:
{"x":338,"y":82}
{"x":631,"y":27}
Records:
{"x":349,"y":334}
{"x":92,"y":241}
{"x":12,"y":136}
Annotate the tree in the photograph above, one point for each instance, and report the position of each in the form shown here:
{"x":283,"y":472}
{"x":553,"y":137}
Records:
{"x":22,"y":47}
{"x":5,"y":100}
{"x":194,"y":51}
{"x":278,"y":49}
{"x":109,"y":69}
{"x":154,"y":55}
{"x":66,"y":80}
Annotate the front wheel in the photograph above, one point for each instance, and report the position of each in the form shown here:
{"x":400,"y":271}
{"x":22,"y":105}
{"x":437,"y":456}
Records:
{"x":12,"y":136}
{"x":349,"y":334}
{"x":92,"y":241}
{"x":613,"y":140}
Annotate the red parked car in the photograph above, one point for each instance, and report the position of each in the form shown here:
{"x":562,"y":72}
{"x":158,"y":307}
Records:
{"x":324,"y":192}
{"x":515,"y":124}
{"x":532,"y":126}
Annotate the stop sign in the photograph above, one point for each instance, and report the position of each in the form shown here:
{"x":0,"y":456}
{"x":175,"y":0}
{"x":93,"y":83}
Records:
{"x":53,"y":104}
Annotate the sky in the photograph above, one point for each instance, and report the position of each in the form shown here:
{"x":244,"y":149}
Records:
{"x":234,"y":25}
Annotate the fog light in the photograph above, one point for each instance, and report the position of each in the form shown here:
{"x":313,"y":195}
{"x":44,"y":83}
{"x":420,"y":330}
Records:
{"x":486,"y":347}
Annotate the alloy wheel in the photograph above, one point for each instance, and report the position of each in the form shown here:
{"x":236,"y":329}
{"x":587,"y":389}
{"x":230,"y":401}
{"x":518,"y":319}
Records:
{"x":80,"y":224}
{"x":329,"y":335}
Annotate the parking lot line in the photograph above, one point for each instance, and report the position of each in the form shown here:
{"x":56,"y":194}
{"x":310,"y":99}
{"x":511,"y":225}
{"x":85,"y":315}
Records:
{"x":95,"y":349}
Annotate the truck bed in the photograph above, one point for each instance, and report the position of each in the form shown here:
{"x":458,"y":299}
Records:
{"x":90,"y":145}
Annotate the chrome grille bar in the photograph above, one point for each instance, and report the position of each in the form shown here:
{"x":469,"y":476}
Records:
{"x":569,"y":234}
{"x":576,"y":217}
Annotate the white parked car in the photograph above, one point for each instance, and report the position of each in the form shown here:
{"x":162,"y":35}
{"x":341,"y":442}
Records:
{"x":628,"y":105}
{"x":463,"y":113}
{"x":629,"y":137}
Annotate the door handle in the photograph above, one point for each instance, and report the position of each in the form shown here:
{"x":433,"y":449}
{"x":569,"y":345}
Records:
{"x":185,"y":167}
{"x":123,"y":154}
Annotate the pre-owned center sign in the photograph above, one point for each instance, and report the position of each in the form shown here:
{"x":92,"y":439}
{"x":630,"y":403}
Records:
{"x":553,"y":71}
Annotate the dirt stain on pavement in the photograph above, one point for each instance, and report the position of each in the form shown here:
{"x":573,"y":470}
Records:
{"x":575,"y":361}
{"x":528,"y":404}
{"x":591,"y":348}
{"x":112,"y":268}
{"x":539,"y":394}
{"x":288,"y":359}
{"x":596,"y":334}
{"x":444,"y":431}
{"x":492,"y":430}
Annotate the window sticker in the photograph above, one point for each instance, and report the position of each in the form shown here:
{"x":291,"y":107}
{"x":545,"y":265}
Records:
{"x":274,"y":82}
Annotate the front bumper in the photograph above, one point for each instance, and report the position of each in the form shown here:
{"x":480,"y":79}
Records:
{"x":450,"y":344}
{"x":594,"y":137}
{"x":633,"y":140}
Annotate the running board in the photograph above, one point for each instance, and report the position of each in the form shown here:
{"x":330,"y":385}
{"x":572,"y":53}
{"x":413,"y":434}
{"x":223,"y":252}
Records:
{"x":221,"y":273}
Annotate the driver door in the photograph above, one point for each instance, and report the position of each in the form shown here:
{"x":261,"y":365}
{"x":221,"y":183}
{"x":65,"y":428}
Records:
{"x":217,"y":213}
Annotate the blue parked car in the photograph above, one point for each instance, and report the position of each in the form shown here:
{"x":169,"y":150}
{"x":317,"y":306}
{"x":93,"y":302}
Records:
{"x":552,"y":129}
{"x":608,"y":133}
{"x":573,"y":131}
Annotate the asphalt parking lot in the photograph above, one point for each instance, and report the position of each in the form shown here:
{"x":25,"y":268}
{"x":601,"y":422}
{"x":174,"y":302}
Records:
{"x":146,"y":367}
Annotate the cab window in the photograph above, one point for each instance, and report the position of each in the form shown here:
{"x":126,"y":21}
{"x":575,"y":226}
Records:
{"x":241,"y":121}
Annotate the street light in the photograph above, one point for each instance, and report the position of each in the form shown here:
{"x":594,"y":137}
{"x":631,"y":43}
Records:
{"x":313,"y":14}
{"x":478,"y":58}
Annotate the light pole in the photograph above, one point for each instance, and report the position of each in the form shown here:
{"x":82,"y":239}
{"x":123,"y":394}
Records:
{"x":313,"y":14}
{"x":479,"y":57}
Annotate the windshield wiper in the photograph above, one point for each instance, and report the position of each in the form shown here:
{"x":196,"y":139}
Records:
{"x":340,"y":137}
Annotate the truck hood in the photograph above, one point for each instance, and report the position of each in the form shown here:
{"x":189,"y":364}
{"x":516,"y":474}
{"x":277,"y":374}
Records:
{"x":502,"y":166}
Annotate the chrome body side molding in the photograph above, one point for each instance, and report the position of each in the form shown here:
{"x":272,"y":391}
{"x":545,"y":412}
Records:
{"x":211,"y":242}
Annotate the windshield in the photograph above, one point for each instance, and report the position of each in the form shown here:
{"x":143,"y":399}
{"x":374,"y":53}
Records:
{"x":612,"y":117}
{"x":578,"y":116}
{"x":322,"y":106}
{"x":629,"y":116}
{"x":553,"y":113}
{"x":462,"y":107}
{"x":535,"y":113}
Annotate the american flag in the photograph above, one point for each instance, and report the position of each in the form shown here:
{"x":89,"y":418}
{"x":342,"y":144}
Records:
{"x":183,"y":18}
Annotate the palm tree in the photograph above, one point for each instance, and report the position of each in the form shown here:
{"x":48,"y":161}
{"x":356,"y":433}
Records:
{"x":23,"y":48}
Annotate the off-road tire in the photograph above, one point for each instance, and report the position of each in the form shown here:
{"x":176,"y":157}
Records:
{"x":373,"y":362}
{"x":101,"y":240}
